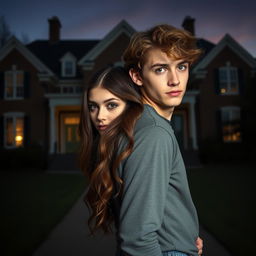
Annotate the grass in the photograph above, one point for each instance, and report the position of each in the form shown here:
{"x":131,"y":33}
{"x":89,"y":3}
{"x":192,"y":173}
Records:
{"x":224,"y":196}
{"x":32,"y":203}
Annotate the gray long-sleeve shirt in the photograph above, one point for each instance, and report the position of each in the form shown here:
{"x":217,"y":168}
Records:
{"x":156,"y":212}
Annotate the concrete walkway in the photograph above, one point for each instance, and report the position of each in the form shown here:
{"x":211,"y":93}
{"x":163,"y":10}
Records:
{"x":70,"y":238}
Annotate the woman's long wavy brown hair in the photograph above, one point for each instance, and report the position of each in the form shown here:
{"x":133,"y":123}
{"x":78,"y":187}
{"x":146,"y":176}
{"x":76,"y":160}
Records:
{"x":99,"y":157}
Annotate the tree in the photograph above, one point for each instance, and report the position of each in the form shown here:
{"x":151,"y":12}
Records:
{"x":5,"y":32}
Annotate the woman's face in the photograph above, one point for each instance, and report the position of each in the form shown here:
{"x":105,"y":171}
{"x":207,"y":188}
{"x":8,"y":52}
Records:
{"x":104,"y":107}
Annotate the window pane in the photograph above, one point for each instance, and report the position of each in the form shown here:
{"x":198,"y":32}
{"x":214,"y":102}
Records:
{"x":20,"y":79}
{"x":223,"y":80}
{"x":231,"y":127}
{"x":223,"y":87}
{"x":19,"y":138}
{"x":233,"y":80}
{"x":20,"y":92}
{"x":223,"y":76}
{"x":68,"y":68}
{"x":20,"y":84}
{"x":9,"y":132}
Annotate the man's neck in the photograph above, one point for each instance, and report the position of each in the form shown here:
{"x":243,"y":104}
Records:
{"x":164,"y":112}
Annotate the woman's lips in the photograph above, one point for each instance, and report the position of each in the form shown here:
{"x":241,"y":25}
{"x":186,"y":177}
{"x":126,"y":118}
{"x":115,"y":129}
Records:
{"x":174,"y":93}
{"x":102,"y":127}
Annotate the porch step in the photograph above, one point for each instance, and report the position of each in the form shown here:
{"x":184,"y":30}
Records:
{"x":63,"y":162}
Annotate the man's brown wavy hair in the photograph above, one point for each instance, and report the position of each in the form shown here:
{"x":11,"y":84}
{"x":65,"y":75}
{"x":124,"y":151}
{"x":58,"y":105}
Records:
{"x":100,"y":155}
{"x":176,"y":43}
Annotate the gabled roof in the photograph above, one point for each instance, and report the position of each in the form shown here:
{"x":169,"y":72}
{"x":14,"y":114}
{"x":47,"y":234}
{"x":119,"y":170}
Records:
{"x":121,"y":27}
{"x":51,"y":53}
{"x":228,"y":41}
{"x":14,"y":43}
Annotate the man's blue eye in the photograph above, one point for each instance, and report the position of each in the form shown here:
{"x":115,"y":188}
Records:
{"x":182,"y":67}
{"x":159,"y":70}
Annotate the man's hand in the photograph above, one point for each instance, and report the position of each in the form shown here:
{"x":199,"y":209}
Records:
{"x":199,"y":245}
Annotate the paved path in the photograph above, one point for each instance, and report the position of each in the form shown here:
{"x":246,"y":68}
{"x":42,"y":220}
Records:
{"x":70,"y":238}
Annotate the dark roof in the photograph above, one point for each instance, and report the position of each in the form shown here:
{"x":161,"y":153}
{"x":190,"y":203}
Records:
{"x":51,"y":53}
{"x":205,"y":45}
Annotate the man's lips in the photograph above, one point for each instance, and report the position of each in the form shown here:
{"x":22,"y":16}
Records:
{"x":174,"y":93}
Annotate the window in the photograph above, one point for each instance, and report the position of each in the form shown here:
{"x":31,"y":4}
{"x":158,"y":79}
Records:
{"x":14,"y":130}
{"x":68,"y":68}
{"x":68,"y":65}
{"x":14,"y":84}
{"x":231,"y":124}
{"x":228,"y":80}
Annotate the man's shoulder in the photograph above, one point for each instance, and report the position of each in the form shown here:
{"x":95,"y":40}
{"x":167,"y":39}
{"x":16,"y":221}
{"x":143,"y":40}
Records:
{"x":151,"y":121}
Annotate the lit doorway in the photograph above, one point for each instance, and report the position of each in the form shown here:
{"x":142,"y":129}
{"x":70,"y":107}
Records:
{"x":69,"y":133}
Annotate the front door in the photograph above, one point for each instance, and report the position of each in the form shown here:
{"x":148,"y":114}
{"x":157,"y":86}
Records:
{"x":71,"y":134}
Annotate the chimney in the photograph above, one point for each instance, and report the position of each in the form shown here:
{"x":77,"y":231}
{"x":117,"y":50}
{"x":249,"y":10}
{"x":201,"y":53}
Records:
{"x":54,"y":29}
{"x":188,"y":24}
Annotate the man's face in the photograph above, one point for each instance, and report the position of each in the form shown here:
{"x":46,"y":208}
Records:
{"x":163,"y":81}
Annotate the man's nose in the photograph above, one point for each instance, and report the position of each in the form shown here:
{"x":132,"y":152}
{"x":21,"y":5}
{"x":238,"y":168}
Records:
{"x":173,"y":78}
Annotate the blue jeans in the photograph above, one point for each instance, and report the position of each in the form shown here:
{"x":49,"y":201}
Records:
{"x":174,"y":253}
{"x":169,"y":253}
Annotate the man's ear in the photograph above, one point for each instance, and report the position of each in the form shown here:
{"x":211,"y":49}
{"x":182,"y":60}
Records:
{"x":135,"y":76}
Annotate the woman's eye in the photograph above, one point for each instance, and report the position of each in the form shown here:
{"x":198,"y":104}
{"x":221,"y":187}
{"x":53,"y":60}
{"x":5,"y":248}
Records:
{"x":92,"y":107}
{"x":112,"y":105}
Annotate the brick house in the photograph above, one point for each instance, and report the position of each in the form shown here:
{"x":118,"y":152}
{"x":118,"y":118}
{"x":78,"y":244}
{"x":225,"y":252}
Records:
{"x":41,"y":85}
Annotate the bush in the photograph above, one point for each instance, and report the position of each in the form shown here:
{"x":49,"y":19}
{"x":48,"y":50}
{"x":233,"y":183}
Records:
{"x":31,"y":157}
{"x":219,"y":152}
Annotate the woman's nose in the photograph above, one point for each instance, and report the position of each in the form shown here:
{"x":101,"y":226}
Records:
{"x":101,"y":114}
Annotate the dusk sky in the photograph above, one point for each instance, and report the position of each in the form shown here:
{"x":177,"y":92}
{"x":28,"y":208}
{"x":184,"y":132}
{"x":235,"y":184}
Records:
{"x":83,"y":19}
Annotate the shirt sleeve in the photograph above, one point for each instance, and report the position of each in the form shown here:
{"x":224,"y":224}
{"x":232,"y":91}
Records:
{"x":146,"y":175}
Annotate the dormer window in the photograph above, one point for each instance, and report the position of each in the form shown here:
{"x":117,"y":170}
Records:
{"x":68,"y":65}
{"x":68,"y":68}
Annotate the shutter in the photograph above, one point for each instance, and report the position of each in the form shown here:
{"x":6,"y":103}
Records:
{"x":216,"y":81}
{"x":1,"y":131}
{"x":1,"y":85}
{"x":27,"y":131}
{"x":241,"y":81}
{"x":26,"y":84}
{"x":219,"y":126}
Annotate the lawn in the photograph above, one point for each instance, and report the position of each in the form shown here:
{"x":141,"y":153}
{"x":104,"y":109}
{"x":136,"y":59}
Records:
{"x":32,"y":203}
{"x":225,"y":199}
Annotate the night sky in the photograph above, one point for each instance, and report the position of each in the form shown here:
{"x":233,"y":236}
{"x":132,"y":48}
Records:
{"x":83,"y":19}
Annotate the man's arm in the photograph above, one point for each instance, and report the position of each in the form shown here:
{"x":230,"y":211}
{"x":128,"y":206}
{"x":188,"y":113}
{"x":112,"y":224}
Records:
{"x":146,"y":175}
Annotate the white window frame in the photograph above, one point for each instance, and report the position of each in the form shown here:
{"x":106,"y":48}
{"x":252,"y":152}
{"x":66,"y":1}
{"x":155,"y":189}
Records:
{"x":14,"y":116}
{"x":228,"y":69}
{"x":68,"y":57}
{"x":14,"y":72}
{"x":230,"y":110}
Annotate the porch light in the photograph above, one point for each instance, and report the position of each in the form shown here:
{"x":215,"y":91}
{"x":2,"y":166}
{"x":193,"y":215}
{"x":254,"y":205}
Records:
{"x":18,"y":138}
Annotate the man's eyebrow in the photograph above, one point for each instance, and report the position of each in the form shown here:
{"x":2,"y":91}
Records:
{"x":164,"y":65}
{"x":182,"y":62}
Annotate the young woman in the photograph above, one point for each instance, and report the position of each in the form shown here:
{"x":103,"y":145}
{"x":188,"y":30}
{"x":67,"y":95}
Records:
{"x":110,"y":108}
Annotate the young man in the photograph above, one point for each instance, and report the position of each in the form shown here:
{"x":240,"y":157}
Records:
{"x":157,"y":215}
